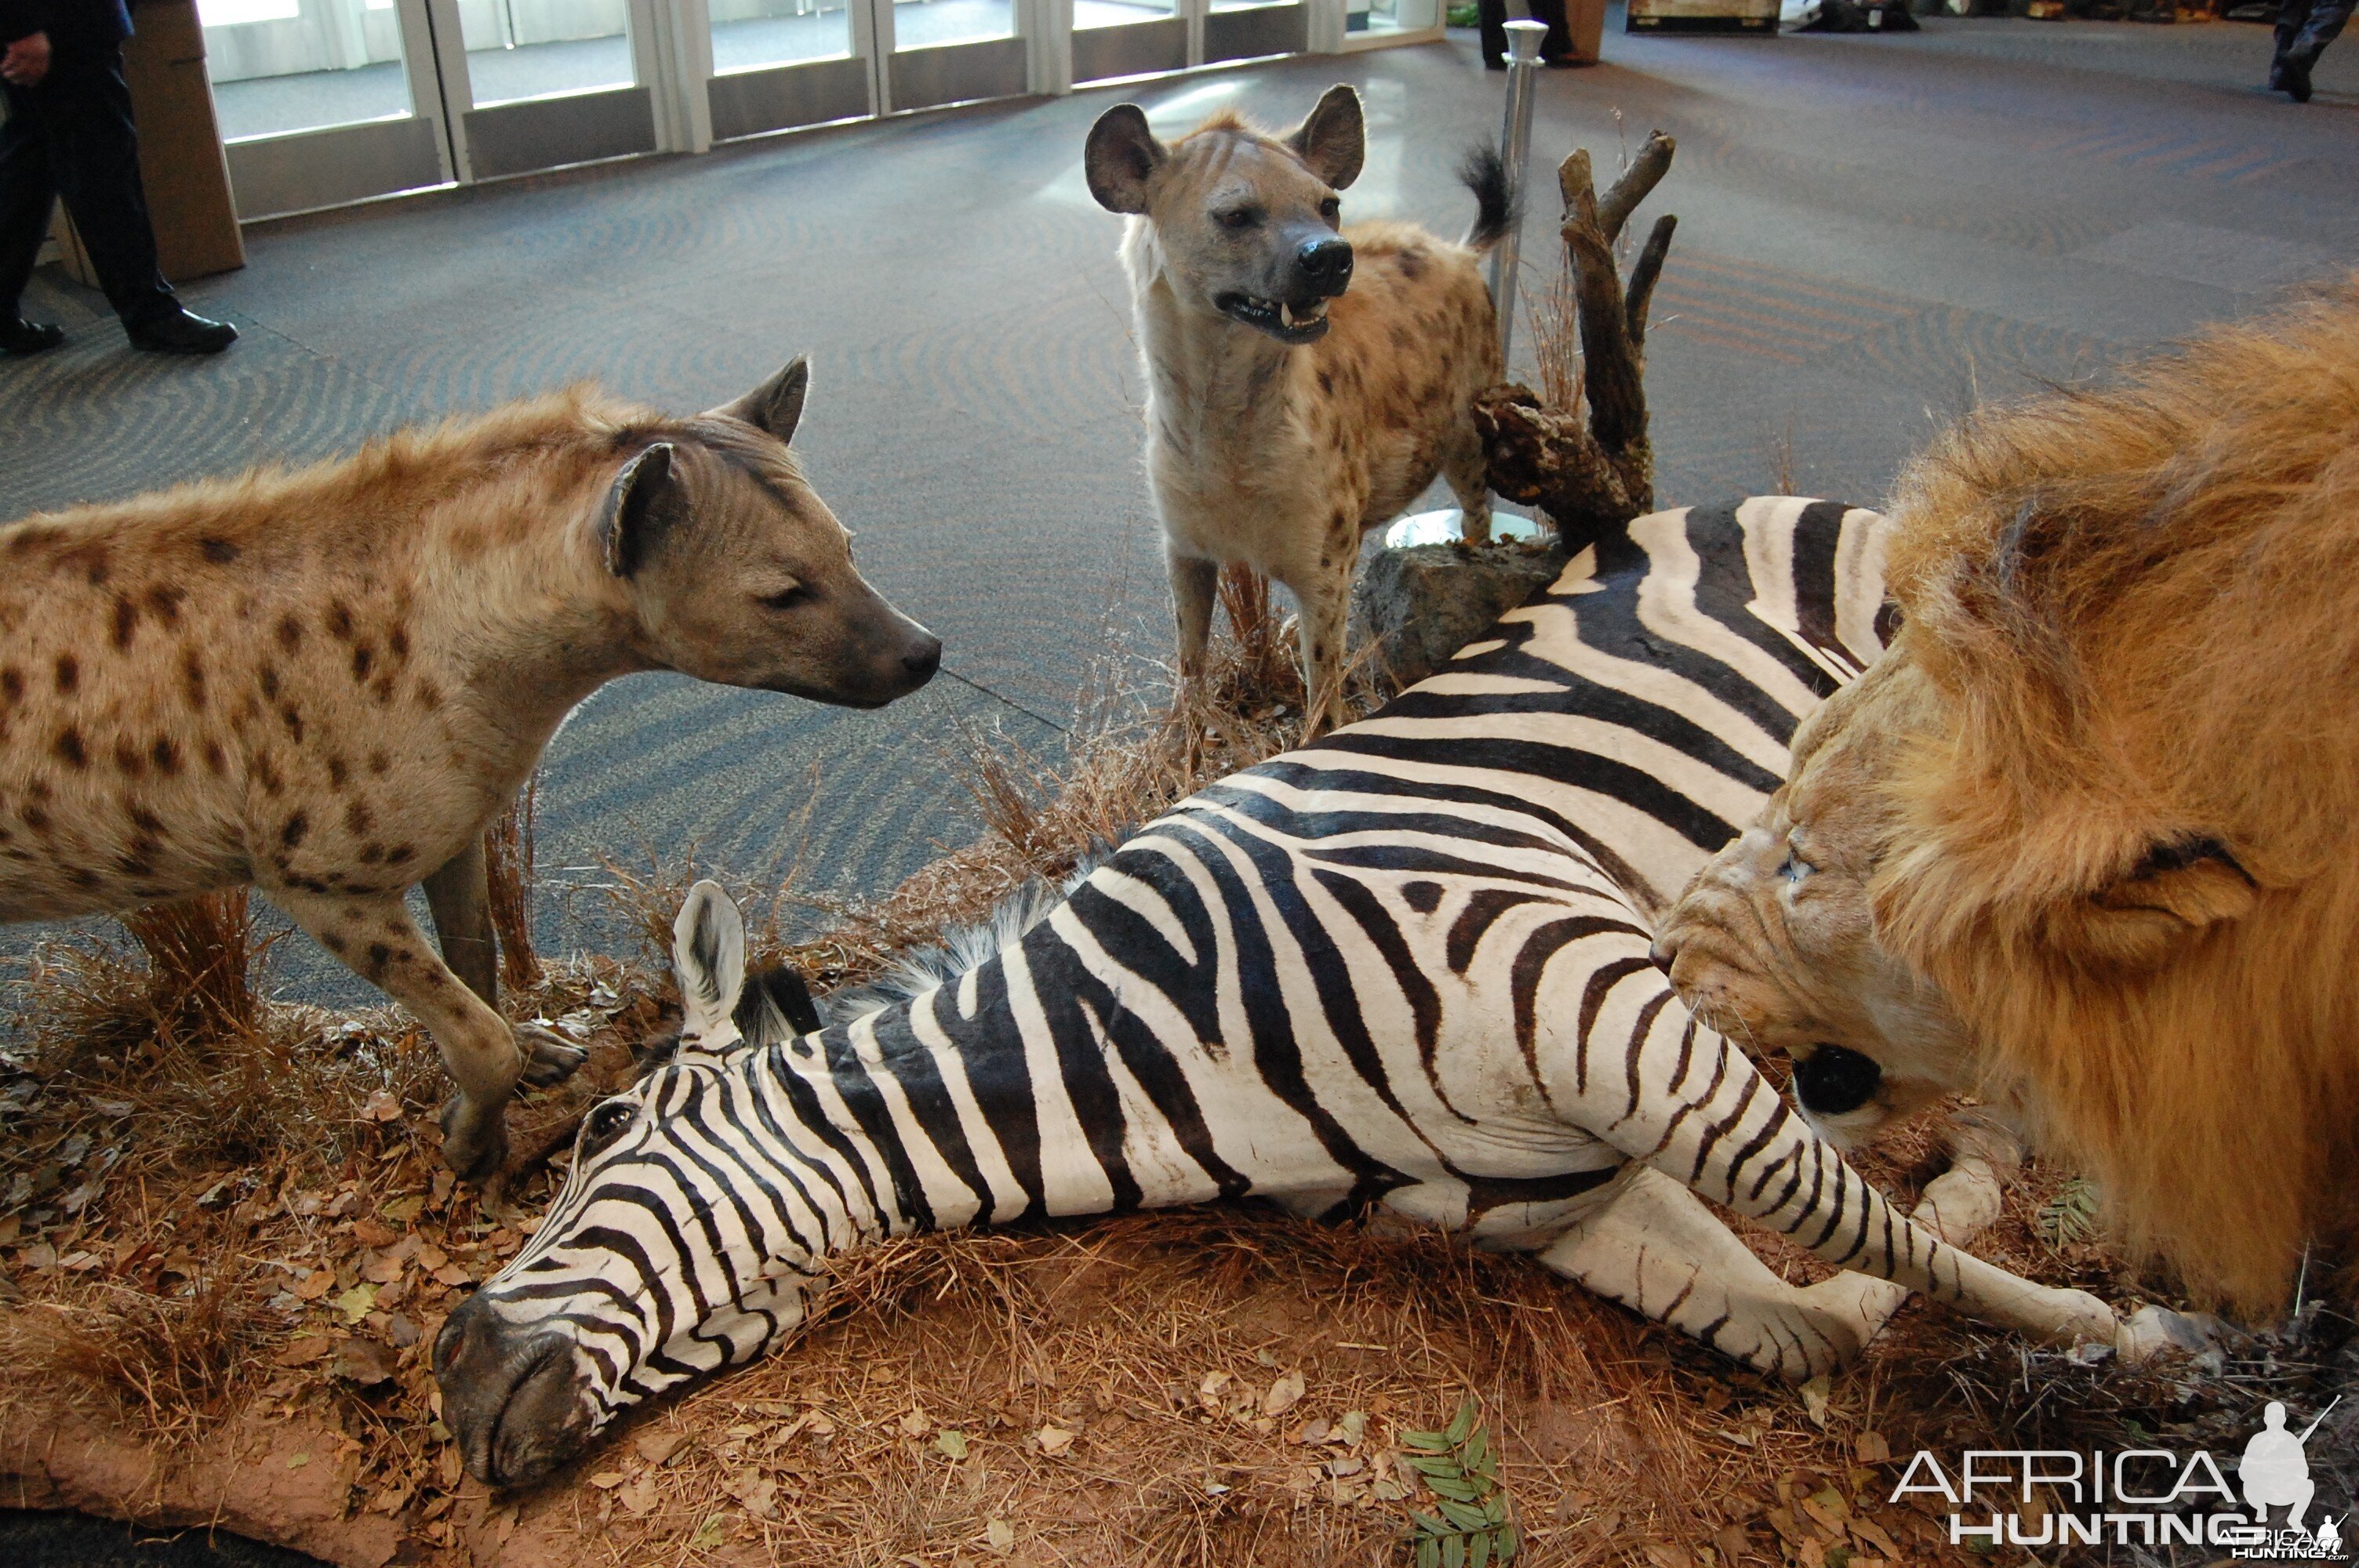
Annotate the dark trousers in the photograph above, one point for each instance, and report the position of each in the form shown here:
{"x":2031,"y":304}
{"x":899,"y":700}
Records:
{"x":2306,"y":26}
{"x":72,"y":137}
{"x":1494,"y":28}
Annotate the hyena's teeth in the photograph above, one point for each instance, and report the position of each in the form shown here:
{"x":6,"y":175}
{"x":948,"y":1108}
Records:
{"x":1285,"y":314}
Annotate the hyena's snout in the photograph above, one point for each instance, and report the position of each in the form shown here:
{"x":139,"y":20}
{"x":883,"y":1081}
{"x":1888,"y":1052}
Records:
{"x":1322,"y":267}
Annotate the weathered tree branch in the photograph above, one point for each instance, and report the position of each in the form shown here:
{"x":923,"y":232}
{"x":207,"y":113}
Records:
{"x":1598,"y":474}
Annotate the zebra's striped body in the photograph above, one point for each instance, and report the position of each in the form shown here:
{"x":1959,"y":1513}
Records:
{"x":1407,"y":964}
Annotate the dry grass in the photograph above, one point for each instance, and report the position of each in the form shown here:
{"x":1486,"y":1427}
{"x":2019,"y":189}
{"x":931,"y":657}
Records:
{"x":162,"y":1361}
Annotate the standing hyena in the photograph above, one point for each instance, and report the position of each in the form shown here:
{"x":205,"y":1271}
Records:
{"x":1280,"y":428}
{"x":325,"y":683}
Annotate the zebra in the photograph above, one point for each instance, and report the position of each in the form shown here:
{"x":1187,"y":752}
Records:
{"x":1406,"y":965}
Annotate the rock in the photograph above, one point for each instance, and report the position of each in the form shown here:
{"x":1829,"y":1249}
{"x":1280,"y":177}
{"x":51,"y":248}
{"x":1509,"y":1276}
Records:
{"x":1422,"y":603}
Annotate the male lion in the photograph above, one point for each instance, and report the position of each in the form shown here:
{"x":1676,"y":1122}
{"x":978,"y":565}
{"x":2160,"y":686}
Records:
{"x":2084,"y":838}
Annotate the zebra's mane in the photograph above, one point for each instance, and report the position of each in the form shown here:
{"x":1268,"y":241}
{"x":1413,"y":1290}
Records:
{"x":960,"y":947}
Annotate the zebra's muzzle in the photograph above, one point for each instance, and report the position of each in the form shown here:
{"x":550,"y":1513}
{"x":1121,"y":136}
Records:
{"x":512,"y":1397}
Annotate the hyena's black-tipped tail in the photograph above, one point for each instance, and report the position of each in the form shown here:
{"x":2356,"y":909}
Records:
{"x":1486,"y":174}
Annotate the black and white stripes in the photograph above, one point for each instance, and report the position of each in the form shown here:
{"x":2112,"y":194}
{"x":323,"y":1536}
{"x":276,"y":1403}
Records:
{"x":1406,"y":966}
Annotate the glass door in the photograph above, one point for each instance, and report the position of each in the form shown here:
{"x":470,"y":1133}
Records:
{"x":1248,"y":29}
{"x":1127,"y":37}
{"x":772,"y":64}
{"x":949,"y":51}
{"x":535,"y":84}
{"x":324,"y":102}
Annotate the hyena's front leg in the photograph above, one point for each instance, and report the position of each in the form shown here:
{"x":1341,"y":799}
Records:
{"x":1655,"y":1247}
{"x":378,"y":939}
{"x":1195,"y":586}
{"x":460,"y":895}
{"x":1325,"y":608}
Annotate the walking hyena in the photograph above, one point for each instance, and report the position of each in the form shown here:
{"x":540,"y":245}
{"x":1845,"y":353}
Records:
{"x":1280,"y":427}
{"x":325,"y":683}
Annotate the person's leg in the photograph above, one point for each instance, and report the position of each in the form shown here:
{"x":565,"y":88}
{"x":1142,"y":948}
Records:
{"x":1558,"y":43}
{"x":94,"y":153}
{"x":27,"y":195}
{"x":1494,"y":17}
{"x":2326,"y":20}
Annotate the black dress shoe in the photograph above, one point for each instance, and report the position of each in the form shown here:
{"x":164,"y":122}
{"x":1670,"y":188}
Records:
{"x":18,"y":336}
{"x":2293,"y":77}
{"x":181,"y":333}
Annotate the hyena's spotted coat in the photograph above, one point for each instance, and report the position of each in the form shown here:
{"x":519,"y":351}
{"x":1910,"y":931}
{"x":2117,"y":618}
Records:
{"x":326,"y":683}
{"x":1286,"y":415}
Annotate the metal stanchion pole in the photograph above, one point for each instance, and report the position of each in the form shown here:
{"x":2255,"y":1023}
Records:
{"x":1515,"y":149}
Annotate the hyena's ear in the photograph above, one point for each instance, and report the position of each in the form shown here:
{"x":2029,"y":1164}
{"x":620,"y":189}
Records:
{"x":640,"y":506}
{"x":776,"y":405}
{"x":1121,"y":157}
{"x":708,"y":955}
{"x":1334,"y":141}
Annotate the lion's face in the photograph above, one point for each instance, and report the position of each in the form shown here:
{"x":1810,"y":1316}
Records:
{"x":1773,"y":943}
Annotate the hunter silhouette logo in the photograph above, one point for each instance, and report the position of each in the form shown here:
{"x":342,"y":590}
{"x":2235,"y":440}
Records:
{"x":2275,"y":1473}
{"x":2137,"y":1497}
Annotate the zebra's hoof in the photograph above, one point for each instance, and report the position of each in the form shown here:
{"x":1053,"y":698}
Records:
{"x":549,"y":1057}
{"x":2153,"y":1331}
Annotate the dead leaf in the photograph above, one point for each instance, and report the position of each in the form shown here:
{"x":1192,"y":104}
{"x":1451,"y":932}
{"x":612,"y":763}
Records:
{"x":640,"y":1494}
{"x":369,"y":1233}
{"x":1871,"y":1533}
{"x":315,"y":1284}
{"x":1054,"y":1440}
{"x":364,"y":1362}
{"x":381,"y":1107}
{"x":453,"y":1275}
{"x":756,"y":1492}
{"x":1827,"y":1506}
{"x":1312,"y":1431}
{"x":1000,"y":1534}
{"x":1209,"y":1392}
{"x":1664,"y":1555}
{"x":302,"y":1351}
{"x":356,"y":1302}
{"x":951,"y":1444}
{"x":660,"y":1447}
{"x":607,"y":1480}
{"x":382,"y":1268}
{"x":1870,"y":1448}
{"x":1814,"y":1400}
{"x":915,"y":1424}
{"x":1283,"y":1394}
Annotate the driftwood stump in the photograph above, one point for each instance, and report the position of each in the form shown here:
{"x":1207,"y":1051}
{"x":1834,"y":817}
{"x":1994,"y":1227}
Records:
{"x":1590,"y":475}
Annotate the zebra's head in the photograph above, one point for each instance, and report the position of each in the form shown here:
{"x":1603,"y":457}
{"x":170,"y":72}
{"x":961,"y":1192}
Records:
{"x":675,"y":1249}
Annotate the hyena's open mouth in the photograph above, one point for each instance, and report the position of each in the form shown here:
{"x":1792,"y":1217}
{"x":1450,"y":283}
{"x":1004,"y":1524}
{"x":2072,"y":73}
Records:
{"x":1282,"y":319}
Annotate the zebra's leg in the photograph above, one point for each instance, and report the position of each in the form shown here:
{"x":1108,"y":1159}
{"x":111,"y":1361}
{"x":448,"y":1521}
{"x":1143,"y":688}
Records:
{"x":1656,"y":1249}
{"x":1958,"y":1205}
{"x":1195,"y":586}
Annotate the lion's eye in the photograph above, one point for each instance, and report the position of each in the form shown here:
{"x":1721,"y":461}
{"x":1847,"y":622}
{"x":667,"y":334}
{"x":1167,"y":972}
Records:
{"x":605,"y":1123}
{"x":1796,"y":868}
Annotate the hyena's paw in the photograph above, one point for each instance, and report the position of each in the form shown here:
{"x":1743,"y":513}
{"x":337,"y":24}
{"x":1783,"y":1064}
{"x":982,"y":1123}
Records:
{"x":549,"y":1057}
{"x":475,"y":1145}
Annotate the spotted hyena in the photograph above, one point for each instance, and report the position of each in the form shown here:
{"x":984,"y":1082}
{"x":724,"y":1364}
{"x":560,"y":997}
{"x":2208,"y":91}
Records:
{"x":325,"y":683}
{"x":1285,"y":417}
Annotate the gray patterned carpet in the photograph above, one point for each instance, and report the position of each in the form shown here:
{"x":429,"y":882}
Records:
{"x":1874,"y":230}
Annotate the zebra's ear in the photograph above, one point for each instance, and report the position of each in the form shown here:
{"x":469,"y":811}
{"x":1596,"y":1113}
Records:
{"x":707,"y":953}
